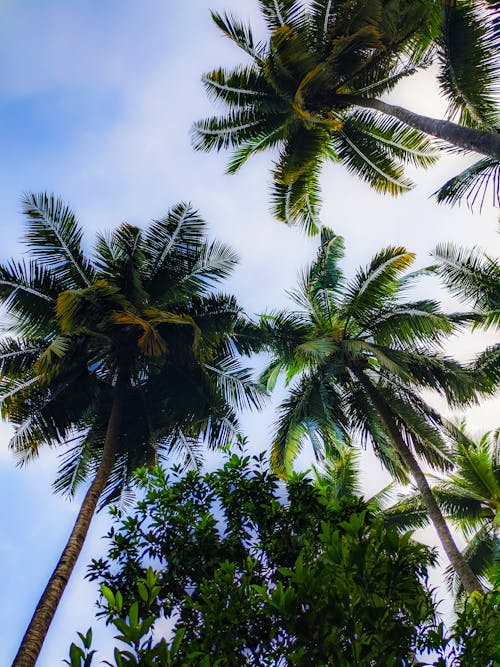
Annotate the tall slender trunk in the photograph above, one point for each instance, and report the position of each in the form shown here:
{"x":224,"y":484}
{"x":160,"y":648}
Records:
{"x":470,"y":139}
{"x":34,"y":636}
{"x":459,"y":564}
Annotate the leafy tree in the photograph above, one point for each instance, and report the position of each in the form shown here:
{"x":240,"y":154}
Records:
{"x":469,"y":497}
{"x":251,"y":573}
{"x":128,"y":354}
{"x":312,"y":90}
{"x":359,"y":355}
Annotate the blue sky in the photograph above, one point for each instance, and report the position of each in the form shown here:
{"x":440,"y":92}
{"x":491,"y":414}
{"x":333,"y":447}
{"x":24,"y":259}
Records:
{"x":96,"y":101}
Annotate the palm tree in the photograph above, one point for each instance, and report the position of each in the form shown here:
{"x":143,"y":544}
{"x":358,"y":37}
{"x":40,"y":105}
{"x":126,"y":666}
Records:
{"x":129,"y":354}
{"x":469,"y":496}
{"x":312,"y":92}
{"x":359,"y":355}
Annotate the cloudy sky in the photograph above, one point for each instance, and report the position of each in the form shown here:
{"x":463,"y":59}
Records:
{"x":96,"y":101}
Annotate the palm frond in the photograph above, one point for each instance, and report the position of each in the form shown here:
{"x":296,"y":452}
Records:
{"x":173,"y":242}
{"x":380,"y":280}
{"x":400,"y":141}
{"x":313,"y":412}
{"x":236,"y":383}
{"x":278,"y":13}
{"x":369,"y":160}
{"x":473,"y":183}
{"x":233,"y":129}
{"x":28,"y":292}
{"x":419,"y":322}
{"x":470,"y":274}
{"x":54,"y":238}
{"x":298,"y":202}
{"x":260,"y":142}
{"x":339,"y":474}
{"x":469,"y":67}
{"x":238,"y":33}
{"x":241,"y":87}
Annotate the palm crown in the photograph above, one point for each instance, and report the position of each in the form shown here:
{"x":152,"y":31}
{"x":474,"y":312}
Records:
{"x":141,"y":307}
{"x":323,"y":60}
{"x":347,"y":330}
{"x":359,"y":354}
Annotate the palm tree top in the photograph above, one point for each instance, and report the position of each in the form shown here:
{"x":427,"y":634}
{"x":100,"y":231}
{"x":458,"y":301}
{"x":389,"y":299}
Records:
{"x":309,"y":91}
{"x":365,"y":327}
{"x":143,"y":304}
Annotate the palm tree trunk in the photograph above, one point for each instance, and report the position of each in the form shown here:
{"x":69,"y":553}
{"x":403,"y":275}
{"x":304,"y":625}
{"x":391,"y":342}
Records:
{"x":470,"y":139}
{"x":34,"y":637}
{"x":458,"y":562}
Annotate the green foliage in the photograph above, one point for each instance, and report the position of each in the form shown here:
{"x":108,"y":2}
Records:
{"x":244,"y":571}
{"x":250,"y":572}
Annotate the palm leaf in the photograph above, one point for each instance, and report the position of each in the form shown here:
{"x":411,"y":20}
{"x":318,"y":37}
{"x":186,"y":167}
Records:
{"x":233,"y":129}
{"x":469,"y":67}
{"x":28,"y":292}
{"x":238,"y":33}
{"x":380,"y":280}
{"x":298,"y":203}
{"x":473,"y":183}
{"x":369,"y":160}
{"x":471,"y":274}
{"x":241,"y":87}
{"x":54,"y":238}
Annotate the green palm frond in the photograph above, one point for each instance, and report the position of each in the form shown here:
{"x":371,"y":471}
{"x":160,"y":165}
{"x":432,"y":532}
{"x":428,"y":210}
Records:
{"x":339,"y":475}
{"x":278,"y":13}
{"x":380,"y":280}
{"x":235,"y":383}
{"x":479,"y":554}
{"x":302,"y":151}
{"x":260,"y":142}
{"x":311,"y":412}
{"x":400,"y":141}
{"x":473,"y":275}
{"x":369,"y":160}
{"x":28,"y":292}
{"x":409,"y":324}
{"x":298,"y":202}
{"x":473,"y":183}
{"x":54,"y":238}
{"x":215,"y":262}
{"x":365,"y":424}
{"x":233,"y":129}
{"x":241,"y":87}
{"x":238,"y":33}
{"x":469,"y":65}
{"x":487,"y":366}
{"x":17,"y":356}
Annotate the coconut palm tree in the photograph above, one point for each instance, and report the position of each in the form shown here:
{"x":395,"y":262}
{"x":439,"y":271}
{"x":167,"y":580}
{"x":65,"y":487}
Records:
{"x":128,"y":354}
{"x":359,"y":354}
{"x":469,"y":497}
{"x":312,"y":91}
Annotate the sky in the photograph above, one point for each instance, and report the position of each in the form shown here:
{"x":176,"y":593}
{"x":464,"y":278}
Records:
{"x":96,"y":102}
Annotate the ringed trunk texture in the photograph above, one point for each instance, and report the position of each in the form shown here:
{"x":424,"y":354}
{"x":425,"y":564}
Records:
{"x":459,"y":564}
{"x":34,"y":636}
{"x":470,"y":139}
